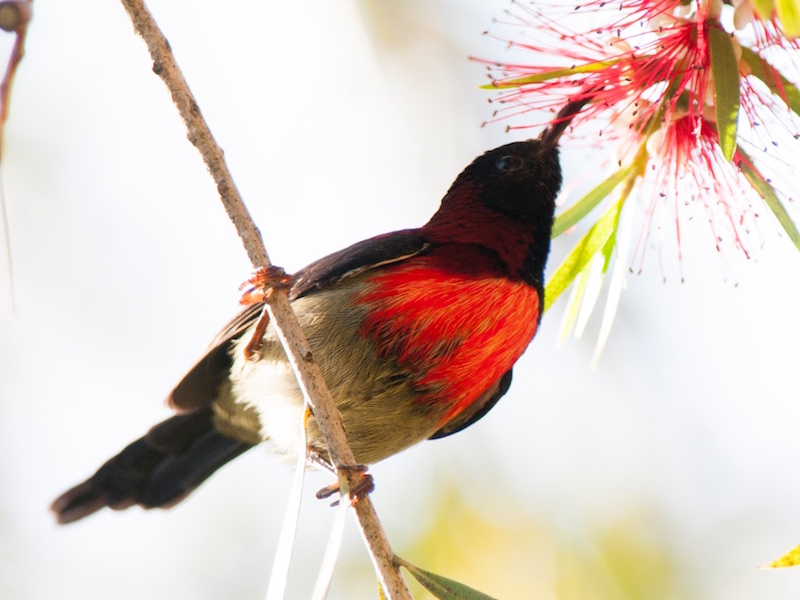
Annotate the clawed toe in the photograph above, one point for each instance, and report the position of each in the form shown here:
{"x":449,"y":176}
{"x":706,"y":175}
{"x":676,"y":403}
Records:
{"x":361,"y":489}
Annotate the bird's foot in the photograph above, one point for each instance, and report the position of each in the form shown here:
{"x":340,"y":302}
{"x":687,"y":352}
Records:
{"x":358,"y":489}
{"x":259,"y":287}
{"x":262,"y":283}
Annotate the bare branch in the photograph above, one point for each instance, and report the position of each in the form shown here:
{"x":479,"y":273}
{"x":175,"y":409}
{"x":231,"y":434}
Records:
{"x":14,"y":17}
{"x":295,"y":344}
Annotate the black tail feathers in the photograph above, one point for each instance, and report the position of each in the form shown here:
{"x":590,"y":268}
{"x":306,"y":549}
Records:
{"x":157,"y":470}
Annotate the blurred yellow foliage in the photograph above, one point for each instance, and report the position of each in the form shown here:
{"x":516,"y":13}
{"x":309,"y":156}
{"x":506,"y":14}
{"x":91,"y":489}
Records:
{"x":511,"y":554}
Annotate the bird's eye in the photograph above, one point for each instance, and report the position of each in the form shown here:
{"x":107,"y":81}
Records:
{"x":508,"y":162}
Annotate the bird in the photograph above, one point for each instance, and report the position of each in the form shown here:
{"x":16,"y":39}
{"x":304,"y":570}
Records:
{"x":416,"y":333}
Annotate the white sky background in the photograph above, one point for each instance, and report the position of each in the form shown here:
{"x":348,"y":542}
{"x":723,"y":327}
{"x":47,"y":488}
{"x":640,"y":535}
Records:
{"x":341,"y":123}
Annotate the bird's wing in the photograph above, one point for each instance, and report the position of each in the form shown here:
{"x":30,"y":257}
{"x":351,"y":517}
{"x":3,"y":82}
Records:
{"x":475,"y":411}
{"x":363,"y":256}
{"x":200,"y":386}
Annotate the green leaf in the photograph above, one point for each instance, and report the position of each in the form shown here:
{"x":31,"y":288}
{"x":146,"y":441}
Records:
{"x":790,"y":559}
{"x":762,"y":186}
{"x":789,"y":15}
{"x":592,"y":278}
{"x":442,"y":587}
{"x":725,"y":69}
{"x":574,"y":304}
{"x":622,"y":232}
{"x":581,"y":254}
{"x":777,"y":83}
{"x":548,"y":75}
{"x":608,"y":247}
{"x":764,"y":8}
{"x":594,"y":275}
{"x":582,"y":207}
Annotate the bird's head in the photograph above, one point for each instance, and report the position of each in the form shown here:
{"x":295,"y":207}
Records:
{"x":519,"y":180}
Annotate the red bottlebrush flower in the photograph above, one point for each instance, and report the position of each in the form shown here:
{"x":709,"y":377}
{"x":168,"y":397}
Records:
{"x":691,"y":170}
{"x":667,"y":82}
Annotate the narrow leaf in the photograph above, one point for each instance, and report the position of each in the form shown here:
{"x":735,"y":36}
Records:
{"x":623,"y":235}
{"x":611,"y":242}
{"x":548,"y":75}
{"x":279,"y":576}
{"x":332,"y":552}
{"x":596,"y":271}
{"x":777,"y":83}
{"x":442,"y":587}
{"x":789,"y":15}
{"x":574,"y":303}
{"x":790,"y":559}
{"x":593,"y":275}
{"x":581,"y":254}
{"x":582,"y":207}
{"x":725,"y":69}
{"x":774,"y":203}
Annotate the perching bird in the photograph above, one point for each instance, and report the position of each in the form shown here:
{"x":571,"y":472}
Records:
{"x":416,"y":333}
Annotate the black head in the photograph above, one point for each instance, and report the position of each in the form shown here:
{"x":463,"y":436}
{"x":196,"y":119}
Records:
{"x":505,"y":200}
{"x":520,"y":180}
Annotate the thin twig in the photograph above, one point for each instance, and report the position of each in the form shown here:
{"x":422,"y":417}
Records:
{"x":294,"y":342}
{"x":14,"y":17}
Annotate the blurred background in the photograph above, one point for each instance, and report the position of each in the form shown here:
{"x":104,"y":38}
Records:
{"x":668,"y":471}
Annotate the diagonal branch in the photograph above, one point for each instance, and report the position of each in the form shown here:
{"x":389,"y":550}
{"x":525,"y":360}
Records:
{"x":15,"y":15}
{"x":294,"y":342}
